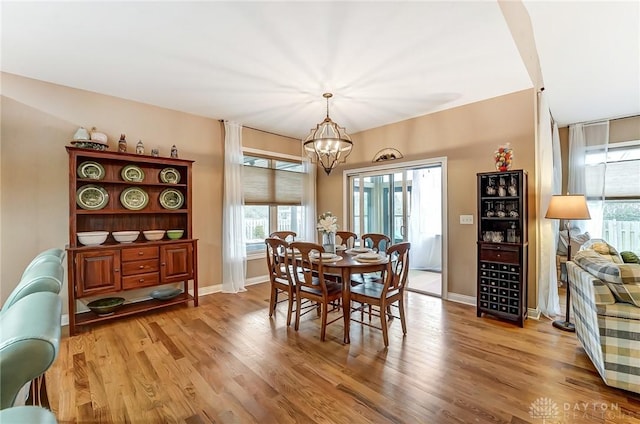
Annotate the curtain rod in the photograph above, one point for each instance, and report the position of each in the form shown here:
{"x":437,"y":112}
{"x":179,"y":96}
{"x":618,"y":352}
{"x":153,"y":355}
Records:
{"x":264,"y":131}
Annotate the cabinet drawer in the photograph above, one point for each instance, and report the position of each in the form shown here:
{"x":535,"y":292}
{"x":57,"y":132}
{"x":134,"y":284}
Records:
{"x":140,"y":280}
{"x":499,"y":255}
{"x":140,"y":267}
{"x":138,"y":253}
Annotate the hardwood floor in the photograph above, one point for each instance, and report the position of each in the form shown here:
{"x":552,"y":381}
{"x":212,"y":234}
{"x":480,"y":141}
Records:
{"x":227,"y":362}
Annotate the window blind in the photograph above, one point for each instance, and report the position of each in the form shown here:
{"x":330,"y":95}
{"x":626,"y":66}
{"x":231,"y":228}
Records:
{"x":268,"y":186}
{"x":613,"y":173}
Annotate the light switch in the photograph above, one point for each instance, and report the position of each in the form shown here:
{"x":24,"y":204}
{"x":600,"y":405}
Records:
{"x":466,"y":219}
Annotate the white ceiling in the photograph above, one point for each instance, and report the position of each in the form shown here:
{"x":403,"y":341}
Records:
{"x":266,"y":64}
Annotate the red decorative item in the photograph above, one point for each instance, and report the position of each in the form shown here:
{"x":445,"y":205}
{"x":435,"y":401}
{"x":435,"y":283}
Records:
{"x":503,"y":157}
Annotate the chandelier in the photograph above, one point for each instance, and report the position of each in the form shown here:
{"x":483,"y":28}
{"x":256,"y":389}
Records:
{"x":328,"y":144}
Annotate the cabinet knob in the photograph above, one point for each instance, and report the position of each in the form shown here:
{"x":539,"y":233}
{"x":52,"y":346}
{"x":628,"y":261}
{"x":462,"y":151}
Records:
{"x":116,"y":270}
{"x":164,"y":264}
{"x":140,"y":253}
{"x":141,"y":280}
{"x":498,"y":255}
{"x":141,"y":266}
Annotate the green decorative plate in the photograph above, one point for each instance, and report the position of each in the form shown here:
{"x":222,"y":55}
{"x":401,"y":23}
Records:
{"x":171,"y":198}
{"x":166,"y":294}
{"x":92,"y":170}
{"x":134,"y":198}
{"x":92,"y":197}
{"x":132,"y":173}
{"x":170,"y":175}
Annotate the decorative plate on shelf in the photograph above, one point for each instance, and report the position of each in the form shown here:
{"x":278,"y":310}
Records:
{"x":166,"y":294}
{"x":90,"y":169}
{"x":170,"y":176}
{"x":92,"y":197}
{"x":134,"y":198}
{"x":132,"y":173}
{"x":171,"y":198}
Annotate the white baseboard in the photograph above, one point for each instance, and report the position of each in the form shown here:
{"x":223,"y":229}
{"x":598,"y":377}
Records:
{"x":461,"y":298}
{"x":256,"y":280}
{"x":534,"y":314}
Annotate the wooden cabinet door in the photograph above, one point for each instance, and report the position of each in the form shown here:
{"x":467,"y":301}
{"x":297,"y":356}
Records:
{"x":97,"y":272}
{"x":176,"y":262}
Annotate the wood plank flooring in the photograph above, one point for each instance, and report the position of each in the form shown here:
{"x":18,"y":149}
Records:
{"x":227,"y":362}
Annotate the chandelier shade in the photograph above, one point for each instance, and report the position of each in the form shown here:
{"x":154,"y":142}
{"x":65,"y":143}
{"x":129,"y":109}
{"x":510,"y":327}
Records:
{"x":328,"y":144}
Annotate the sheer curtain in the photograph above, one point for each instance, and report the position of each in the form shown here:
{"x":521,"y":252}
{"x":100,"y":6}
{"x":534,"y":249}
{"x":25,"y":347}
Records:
{"x":548,"y":175}
{"x":425,"y":223}
{"x":581,"y":138}
{"x":596,"y":135}
{"x":309,"y":232}
{"x":576,"y":178}
{"x":234,"y":255}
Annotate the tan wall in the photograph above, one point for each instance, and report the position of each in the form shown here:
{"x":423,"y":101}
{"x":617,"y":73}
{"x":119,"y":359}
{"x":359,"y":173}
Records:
{"x":269,"y":142}
{"x":39,"y":119}
{"x":467,"y":136}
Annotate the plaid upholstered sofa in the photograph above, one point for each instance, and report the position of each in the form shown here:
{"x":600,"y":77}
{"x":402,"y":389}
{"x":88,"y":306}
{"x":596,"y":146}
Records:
{"x":605,"y":294}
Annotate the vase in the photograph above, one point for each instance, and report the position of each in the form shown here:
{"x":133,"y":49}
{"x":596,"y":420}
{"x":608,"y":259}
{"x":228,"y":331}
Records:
{"x":503,"y":157}
{"x":329,"y":242}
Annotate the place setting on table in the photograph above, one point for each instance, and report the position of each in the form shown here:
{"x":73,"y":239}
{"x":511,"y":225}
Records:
{"x":325,"y":257}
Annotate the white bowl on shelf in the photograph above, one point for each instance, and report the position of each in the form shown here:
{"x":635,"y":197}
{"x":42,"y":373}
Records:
{"x":126,"y":236}
{"x":153,"y":235}
{"x":92,"y":238}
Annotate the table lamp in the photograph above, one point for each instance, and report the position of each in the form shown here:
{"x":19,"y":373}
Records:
{"x":567,"y":207}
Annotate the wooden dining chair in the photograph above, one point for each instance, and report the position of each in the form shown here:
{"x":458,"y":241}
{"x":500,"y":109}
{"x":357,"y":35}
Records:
{"x":289,"y":236}
{"x":379,"y":243}
{"x":311,"y":283}
{"x":279,"y":274}
{"x":375,"y":241}
{"x":347,"y":238}
{"x":383,"y":296}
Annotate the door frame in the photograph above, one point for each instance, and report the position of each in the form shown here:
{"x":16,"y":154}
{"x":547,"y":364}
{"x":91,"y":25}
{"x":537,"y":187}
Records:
{"x":400,"y":166}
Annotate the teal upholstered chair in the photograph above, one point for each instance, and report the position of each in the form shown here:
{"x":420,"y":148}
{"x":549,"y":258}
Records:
{"x":45,"y":276}
{"x":27,"y":414}
{"x":29,"y":342}
{"x":50,"y":255}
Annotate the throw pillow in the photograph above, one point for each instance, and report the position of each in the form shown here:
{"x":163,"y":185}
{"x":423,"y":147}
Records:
{"x":604,"y":249}
{"x":629,"y":257}
{"x":577,"y":240}
{"x":628,"y":287}
{"x":623,"y":279}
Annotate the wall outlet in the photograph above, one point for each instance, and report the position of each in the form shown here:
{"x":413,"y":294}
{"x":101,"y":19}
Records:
{"x":466,"y":219}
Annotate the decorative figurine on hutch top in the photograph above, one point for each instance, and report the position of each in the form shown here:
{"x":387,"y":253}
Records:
{"x":140,"y":148}
{"x":122,"y":144}
{"x":174,"y":151}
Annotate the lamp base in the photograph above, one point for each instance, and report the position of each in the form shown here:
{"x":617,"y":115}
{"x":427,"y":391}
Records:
{"x":564,"y":325}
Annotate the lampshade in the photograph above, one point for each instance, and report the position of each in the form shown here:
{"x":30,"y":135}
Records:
{"x":328,"y":144}
{"x":570,"y":206}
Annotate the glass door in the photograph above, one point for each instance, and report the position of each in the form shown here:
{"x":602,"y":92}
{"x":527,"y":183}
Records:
{"x":378,"y":205}
{"x":405,"y":203}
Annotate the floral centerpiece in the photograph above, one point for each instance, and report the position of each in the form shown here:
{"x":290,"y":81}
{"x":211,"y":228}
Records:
{"x":328,"y":225}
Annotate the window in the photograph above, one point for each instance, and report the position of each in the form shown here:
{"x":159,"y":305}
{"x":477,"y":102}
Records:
{"x":612,"y":177}
{"x":272,"y":197}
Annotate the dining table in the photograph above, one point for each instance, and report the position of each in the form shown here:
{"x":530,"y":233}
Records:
{"x":346,"y":265}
